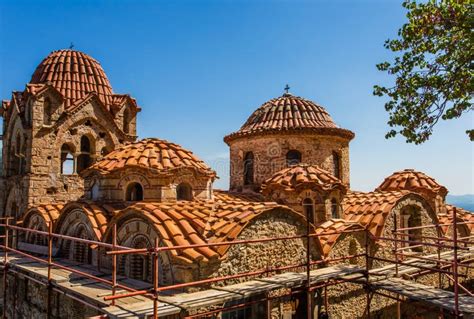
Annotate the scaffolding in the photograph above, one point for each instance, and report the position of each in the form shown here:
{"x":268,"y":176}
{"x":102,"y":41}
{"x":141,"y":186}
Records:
{"x":451,"y":255}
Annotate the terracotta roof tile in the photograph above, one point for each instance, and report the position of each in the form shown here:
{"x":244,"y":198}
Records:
{"x":199,"y":222}
{"x":49,"y":212}
{"x":462,"y":214}
{"x":371,"y":209}
{"x":74,"y":74}
{"x":326,"y":230}
{"x":302,"y":176}
{"x":412,"y":180}
{"x":150,"y":153}
{"x":289,"y":113}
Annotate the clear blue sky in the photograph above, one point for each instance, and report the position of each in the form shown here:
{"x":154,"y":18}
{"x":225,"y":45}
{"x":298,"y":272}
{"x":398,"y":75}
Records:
{"x":199,"y":68}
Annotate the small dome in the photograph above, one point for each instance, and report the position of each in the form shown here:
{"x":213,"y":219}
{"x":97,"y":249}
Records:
{"x":412,"y":180}
{"x":150,"y":153}
{"x":289,"y":113}
{"x":302,"y":176}
{"x":74,"y":74}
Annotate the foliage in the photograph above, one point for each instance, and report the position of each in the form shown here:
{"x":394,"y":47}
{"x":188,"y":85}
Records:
{"x":433,"y":69}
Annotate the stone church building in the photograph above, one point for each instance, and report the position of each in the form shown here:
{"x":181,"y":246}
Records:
{"x":72,"y":158}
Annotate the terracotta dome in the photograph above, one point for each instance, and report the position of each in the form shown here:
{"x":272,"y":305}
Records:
{"x":412,"y":180}
{"x":302,"y":176}
{"x":74,"y":74}
{"x":289,"y":113}
{"x":150,"y":153}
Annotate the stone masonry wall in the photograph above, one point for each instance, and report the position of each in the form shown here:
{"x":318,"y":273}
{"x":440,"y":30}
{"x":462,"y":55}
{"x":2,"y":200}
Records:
{"x":270,"y":155}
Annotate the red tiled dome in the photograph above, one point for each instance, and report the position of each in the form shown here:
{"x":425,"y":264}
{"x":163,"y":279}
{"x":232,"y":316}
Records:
{"x":150,"y":153}
{"x":289,"y":113}
{"x":412,"y":180}
{"x":302,"y":175}
{"x":74,"y":74}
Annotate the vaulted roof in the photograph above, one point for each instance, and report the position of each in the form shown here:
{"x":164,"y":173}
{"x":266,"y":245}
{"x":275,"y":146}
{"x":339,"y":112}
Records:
{"x":150,"y":153}
{"x":463,"y":216}
{"x":289,"y":113}
{"x":330,"y":231}
{"x":302,"y":176}
{"x":412,"y":180}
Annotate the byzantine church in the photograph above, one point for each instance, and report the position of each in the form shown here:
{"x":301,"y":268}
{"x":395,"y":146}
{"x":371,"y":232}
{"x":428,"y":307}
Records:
{"x":72,"y":160}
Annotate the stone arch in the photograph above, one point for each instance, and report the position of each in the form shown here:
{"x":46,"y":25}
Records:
{"x":134,"y":192}
{"x":86,"y":152}
{"x":76,"y":221}
{"x":67,"y":159}
{"x":319,"y":208}
{"x":133,"y":225}
{"x":35,"y":220}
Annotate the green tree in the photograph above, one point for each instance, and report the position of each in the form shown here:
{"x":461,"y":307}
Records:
{"x":433,"y":68}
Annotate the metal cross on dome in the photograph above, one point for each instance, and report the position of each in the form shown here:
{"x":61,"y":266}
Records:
{"x":71,"y":45}
{"x":287,"y":88}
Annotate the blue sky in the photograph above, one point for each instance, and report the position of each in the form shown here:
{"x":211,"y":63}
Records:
{"x":199,"y":68}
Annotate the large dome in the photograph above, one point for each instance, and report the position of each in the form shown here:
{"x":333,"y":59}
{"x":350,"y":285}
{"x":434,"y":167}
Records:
{"x":74,"y":74}
{"x":150,"y":153}
{"x":289,"y":113}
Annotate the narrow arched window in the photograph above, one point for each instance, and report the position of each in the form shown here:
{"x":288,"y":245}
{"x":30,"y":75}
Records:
{"x":248,"y":168}
{"x":134,"y":192}
{"x":95,"y":191}
{"x":308,"y":209}
{"x":410,"y":221}
{"x":82,"y":252}
{"x":67,"y":160}
{"x":84,"y":159}
{"x":126,"y":121}
{"x":336,"y":159}
{"x":334,"y":210}
{"x":184,"y":191}
{"x":140,"y":266}
{"x":47,"y":111}
{"x":293,"y":157}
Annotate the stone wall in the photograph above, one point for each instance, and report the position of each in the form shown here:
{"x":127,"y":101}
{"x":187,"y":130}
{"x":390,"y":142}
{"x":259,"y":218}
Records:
{"x":42,"y":181}
{"x":251,"y":257}
{"x":270,"y":155}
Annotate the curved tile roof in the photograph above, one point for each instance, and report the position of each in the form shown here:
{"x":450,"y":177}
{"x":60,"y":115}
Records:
{"x":150,"y":153}
{"x":463,"y":216}
{"x":371,"y":209}
{"x":289,"y":113}
{"x":326,"y":231}
{"x":97,"y":214}
{"x":74,"y":74}
{"x":302,"y":175}
{"x":412,"y":180}
{"x":228,"y":196}
{"x":49,"y":212}
{"x":199,"y":222}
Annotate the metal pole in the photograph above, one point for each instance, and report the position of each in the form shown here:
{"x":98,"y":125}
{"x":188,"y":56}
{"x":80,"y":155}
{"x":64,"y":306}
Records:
{"x":394,"y":234}
{"x":367,"y":287}
{"x":455,"y":264}
{"x":5,"y":269}
{"x":114,"y":263}
{"x":155,"y":279}
{"x":50,"y":262}
{"x":308,"y":268}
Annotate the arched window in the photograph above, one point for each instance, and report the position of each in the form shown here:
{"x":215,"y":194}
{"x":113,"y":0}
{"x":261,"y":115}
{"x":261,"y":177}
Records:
{"x":67,"y":160}
{"x":336,"y":159}
{"x":334,"y":210}
{"x":82,"y":251}
{"x":126,"y":121}
{"x":248,"y":168}
{"x":184,"y":191}
{"x":84,"y":159}
{"x":410,"y":220}
{"x":293,"y":157}
{"x":95,"y":191}
{"x":308,"y":208}
{"x":140,"y":267}
{"x":47,"y":110}
{"x":134,"y":192}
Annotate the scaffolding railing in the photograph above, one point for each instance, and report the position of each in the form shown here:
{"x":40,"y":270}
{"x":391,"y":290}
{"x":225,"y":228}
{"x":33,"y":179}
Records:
{"x":399,"y":236}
